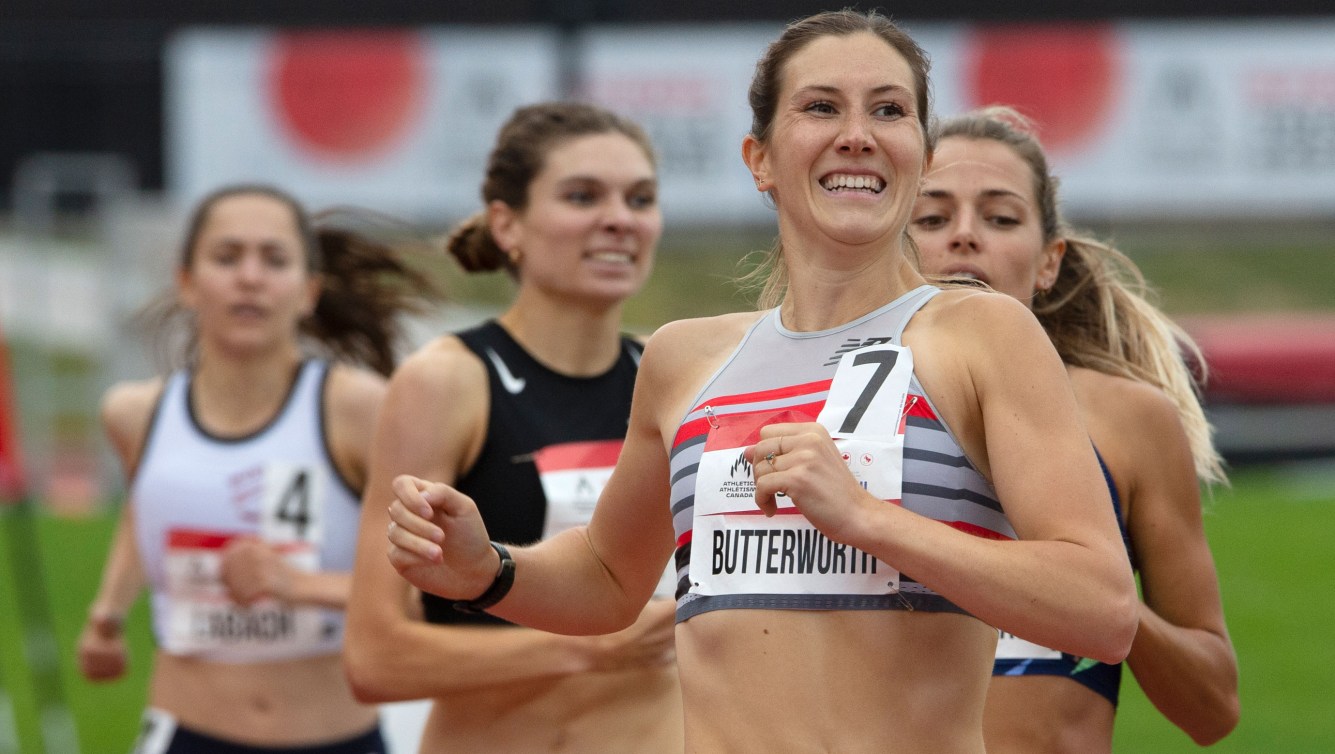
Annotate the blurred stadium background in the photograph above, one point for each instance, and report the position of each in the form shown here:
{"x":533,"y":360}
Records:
{"x":1201,"y":139}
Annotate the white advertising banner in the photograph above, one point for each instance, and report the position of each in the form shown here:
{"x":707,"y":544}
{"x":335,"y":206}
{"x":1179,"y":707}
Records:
{"x":687,"y":86}
{"x":1164,"y":119}
{"x":1188,"y":119}
{"x":400,"y":121}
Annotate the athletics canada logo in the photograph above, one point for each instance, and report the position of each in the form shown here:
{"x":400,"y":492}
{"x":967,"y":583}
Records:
{"x":853,"y":344}
{"x":742,"y":466}
{"x":739,"y":483}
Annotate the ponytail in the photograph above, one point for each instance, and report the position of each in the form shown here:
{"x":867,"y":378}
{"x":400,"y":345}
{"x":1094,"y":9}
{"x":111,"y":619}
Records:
{"x":1099,"y":315}
{"x":472,"y":245}
{"x":365,"y":286}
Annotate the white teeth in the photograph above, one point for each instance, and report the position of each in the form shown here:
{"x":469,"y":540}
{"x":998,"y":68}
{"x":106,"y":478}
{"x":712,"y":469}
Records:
{"x":856,"y":182}
{"x":963,"y":274}
{"x":612,"y":256}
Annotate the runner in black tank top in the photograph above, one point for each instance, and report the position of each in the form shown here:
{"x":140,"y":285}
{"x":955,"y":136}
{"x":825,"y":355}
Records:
{"x":529,"y":413}
{"x":532,"y":408}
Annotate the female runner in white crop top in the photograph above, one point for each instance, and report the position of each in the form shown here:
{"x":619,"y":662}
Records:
{"x":245,"y":470}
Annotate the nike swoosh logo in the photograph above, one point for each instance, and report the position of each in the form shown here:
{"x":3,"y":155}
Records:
{"x":514,"y":385}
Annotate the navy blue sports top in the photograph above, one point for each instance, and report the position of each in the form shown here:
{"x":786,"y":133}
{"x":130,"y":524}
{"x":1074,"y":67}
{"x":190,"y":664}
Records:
{"x":1102,"y":678}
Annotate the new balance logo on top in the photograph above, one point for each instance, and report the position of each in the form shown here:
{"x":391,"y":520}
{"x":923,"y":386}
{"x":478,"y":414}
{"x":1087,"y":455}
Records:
{"x":853,"y":344}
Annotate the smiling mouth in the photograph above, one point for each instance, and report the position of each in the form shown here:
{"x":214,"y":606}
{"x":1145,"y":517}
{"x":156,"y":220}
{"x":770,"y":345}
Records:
{"x":613,"y":257}
{"x":845,"y":182}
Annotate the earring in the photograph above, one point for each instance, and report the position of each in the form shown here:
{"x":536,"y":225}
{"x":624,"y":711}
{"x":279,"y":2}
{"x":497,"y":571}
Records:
{"x":515,"y":255}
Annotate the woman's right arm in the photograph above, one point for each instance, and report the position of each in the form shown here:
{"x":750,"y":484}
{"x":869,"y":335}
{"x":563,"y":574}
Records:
{"x":125,"y":414}
{"x":589,"y":579}
{"x":431,"y":424}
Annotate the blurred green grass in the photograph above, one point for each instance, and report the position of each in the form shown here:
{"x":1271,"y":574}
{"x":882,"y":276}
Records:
{"x":1269,"y":534}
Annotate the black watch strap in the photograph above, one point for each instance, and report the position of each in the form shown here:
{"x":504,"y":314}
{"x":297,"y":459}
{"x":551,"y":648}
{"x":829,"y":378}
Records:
{"x":500,"y":586}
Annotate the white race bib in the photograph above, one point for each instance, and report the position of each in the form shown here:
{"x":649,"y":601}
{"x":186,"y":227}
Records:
{"x":1012,"y":647}
{"x":202,"y":619}
{"x":573,"y":476}
{"x":735,"y":549}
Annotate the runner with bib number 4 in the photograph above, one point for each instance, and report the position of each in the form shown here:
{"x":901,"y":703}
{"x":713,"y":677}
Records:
{"x":245,"y":469}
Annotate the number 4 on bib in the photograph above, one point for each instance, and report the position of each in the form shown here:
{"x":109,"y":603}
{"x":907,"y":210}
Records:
{"x":292,"y":504}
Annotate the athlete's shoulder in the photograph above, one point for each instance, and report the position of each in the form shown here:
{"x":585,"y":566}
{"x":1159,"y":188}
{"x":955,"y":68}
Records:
{"x":126,"y":411}
{"x":442,"y":370}
{"x":1133,"y":408}
{"x":353,"y":394}
{"x":130,"y":402}
{"x":969,"y":326}
{"x":976,"y":311}
{"x":699,"y":338}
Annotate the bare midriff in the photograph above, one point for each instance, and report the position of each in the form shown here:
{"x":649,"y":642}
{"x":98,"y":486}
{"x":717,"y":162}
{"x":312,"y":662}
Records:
{"x":1046,"y":713}
{"x":614,"y":711}
{"x":847,"y":681}
{"x":287,"y":703}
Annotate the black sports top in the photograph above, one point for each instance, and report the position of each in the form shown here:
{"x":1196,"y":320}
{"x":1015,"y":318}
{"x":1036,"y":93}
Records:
{"x":568,"y":425}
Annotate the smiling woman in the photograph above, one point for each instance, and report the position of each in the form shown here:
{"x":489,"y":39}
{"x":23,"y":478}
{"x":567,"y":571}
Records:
{"x":857,"y":484}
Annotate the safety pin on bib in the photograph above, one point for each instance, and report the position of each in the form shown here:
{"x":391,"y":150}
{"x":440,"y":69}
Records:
{"x":711,"y":417}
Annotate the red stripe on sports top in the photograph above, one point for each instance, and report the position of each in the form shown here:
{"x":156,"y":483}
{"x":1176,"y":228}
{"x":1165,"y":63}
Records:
{"x":766,"y":395}
{"x":691,"y":429}
{"x":196,"y":539}
{"x":976,"y":530}
{"x":742,"y":429}
{"x":696,"y":427}
{"x":920,"y":408}
{"x":594,"y":454}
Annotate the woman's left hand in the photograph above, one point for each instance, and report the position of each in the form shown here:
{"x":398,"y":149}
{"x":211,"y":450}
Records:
{"x":802,"y":462}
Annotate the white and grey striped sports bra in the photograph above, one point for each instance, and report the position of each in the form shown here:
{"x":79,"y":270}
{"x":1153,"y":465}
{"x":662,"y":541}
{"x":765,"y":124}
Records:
{"x":775,"y":370}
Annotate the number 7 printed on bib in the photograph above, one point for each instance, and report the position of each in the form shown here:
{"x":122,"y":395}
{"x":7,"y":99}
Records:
{"x":737,"y":550}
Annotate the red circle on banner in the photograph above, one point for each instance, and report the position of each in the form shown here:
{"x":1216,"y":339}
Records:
{"x":344,"y":94}
{"x":1063,"y":77}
